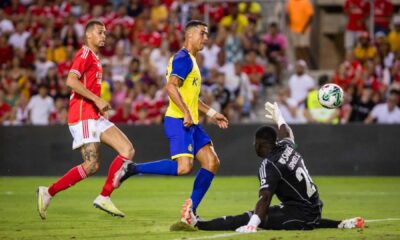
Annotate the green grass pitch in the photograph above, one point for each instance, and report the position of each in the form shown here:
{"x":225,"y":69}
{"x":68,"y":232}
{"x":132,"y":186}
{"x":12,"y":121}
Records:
{"x":152,"y":204}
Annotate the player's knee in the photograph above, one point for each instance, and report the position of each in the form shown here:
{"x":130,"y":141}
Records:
{"x":128,"y":152}
{"x":184,"y":169}
{"x":212,"y":164}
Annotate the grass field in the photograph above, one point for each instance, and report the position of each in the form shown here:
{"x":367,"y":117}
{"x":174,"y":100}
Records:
{"x":152,"y":204}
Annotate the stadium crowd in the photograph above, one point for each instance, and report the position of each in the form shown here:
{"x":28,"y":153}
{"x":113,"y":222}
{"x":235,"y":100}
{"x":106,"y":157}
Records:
{"x":38,"y":40}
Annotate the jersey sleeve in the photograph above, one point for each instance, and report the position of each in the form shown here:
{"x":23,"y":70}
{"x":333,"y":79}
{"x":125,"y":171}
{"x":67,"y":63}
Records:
{"x":286,"y":141}
{"x":182,"y":65}
{"x":80,"y":64}
{"x":269,"y":176}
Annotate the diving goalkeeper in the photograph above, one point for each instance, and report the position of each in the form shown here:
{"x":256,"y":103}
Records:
{"x":282,"y":172}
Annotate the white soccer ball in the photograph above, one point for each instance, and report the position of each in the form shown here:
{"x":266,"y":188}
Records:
{"x":330,"y":96}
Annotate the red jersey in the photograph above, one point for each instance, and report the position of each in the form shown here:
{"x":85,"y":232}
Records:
{"x":357,"y":11}
{"x":383,"y":10}
{"x":88,"y":68}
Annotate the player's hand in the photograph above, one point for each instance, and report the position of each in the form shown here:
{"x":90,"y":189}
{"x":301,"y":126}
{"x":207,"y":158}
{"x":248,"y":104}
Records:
{"x":247,"y":229}
{"x":220,"y":120}
{"x":106,"y":115}
{"x":102,"y":105}
{"x":273,"y":112}
{"x":187,"y":120}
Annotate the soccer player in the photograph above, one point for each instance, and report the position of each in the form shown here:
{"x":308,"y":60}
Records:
{"x":187,"y":138}
{"x":88,"y":123}
{"x":282,"y":172}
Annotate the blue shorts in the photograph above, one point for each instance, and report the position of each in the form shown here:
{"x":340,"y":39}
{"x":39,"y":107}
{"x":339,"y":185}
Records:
{"x":184,"y":141}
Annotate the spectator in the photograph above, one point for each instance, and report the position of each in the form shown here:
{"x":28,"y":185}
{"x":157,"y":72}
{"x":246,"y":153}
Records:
{"x":383,"y":10}
{"x":6,"y":25}
{"x":5,"y":109}
{"x":119,"y":62}
{"x":204,"y":72}
{"x":275,"y":48}
{"x":314,"y":112}
{"x":159,"y":58}
{"x":365,"y":50}
{"x":135,"y":8}
{"x":388,"y":112}
{"x":233,"y":45}
{"x":300,"y":14}
{"x":6,"y":51}
{"x":394,"y":36}
{"x":300,"y":83}
{"x":361,"y":105}
{"x":250,"y":37}
{"x":40,"y":107}
{"x":57,"y":52}
{"x":60,"y":114}
{"x":288,"y":106}
{"x":159,"y":14}
{"x":234,"y":17}
{"x":16,"y":10}
{"x":42,"y":65}
{"x":210,"y":52}
{"x":119,"y":92}
{"x":135,"y":73}
{"x":357,"y":12}
{"x":18,"y":39}
{"x":123,"y":113}
{"x":254,"y":70}
{"x":221,"y":95}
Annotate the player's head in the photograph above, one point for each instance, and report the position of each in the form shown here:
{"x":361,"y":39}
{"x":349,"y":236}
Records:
{"x":95,"y":33}
{"x":265,"y":141}
{"x":196,"y":34}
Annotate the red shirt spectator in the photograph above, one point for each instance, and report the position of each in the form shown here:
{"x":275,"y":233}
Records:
{"x":15,"y":9}
{"x":6,"y":51}
{"x":383,"y":10}
{"x":124,"y":115}
{"x":4,"y":107}
{"x":357,"y":11}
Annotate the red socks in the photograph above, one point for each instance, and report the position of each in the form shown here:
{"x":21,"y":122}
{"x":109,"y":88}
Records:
{"x":114,"y":167}
{"x":73,"y":176}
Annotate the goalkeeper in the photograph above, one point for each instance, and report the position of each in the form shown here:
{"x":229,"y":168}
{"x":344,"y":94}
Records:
{"x":282,"y":172}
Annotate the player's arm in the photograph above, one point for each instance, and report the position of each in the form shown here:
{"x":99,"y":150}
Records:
{"x":273,"y":113}
{"x":77,"y":86}
{"x":172,"y":88}
{"x":260,"y":212}
{"x":215,"y":116}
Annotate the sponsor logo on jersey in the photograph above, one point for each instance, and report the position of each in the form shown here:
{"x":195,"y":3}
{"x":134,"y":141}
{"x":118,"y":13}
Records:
{"x":285,"y":155}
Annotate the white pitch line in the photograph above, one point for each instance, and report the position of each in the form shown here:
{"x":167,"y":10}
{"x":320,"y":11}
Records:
{"x":214,"y":236}
{"x":382,"y":220}
{"x":236,"y":233}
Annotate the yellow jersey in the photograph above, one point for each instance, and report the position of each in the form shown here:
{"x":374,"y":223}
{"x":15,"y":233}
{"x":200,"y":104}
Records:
{"x":183,"y":65}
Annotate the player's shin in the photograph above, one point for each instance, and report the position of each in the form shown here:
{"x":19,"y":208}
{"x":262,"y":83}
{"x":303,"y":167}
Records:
{"x":161,"y":167}
{"x":115,"y":168}
{"x":73,"y":176}
{"x":200,"y":187}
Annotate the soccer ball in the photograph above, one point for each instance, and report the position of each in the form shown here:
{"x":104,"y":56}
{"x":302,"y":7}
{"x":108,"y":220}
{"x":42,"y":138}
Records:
{"x":330,"y":96}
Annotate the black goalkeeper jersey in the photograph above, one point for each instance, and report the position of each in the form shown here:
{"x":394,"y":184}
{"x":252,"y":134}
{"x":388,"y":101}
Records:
{"x":283,"y":173}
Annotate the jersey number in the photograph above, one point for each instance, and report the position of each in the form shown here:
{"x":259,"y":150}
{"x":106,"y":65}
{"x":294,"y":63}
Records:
{"x":303,"y":174}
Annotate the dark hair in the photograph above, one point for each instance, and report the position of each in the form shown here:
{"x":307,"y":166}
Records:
{"x":194,"y":23}
{"x":267,"y":134}
{"x":43,"y":85}
{"x":323,"y":79}
{"x":93,"y":23}
{"x":394,"y":92}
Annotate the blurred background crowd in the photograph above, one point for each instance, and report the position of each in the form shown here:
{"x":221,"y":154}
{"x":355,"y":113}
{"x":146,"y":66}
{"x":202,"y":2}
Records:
{"x":248,"y":59}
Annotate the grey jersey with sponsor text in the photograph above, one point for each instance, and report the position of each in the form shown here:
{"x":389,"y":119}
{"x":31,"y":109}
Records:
{"x":284,"y":173}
